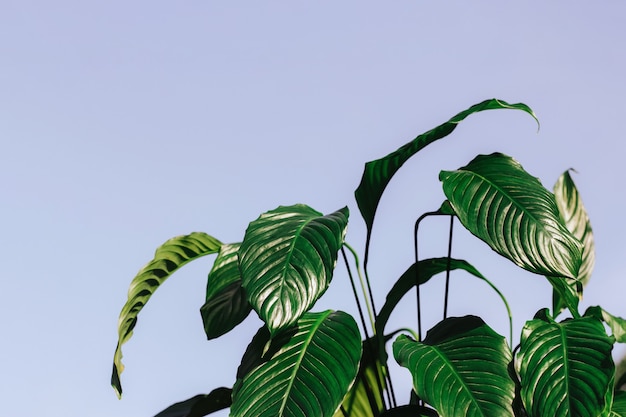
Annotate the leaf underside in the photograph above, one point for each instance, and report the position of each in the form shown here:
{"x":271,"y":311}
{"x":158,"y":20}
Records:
{"x":507,"y":208}
{"x":168,"y":258}
{"x":310,"y":373}
{"x":287,"y":259}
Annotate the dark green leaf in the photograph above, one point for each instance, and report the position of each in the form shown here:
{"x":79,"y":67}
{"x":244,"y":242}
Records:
{"x":460,"y":369}
{"x":309,"y":375}
{"x":617,"y":324}
{"x":512,"y":212}
{"x":168,"y":258}
{"x":565,"y":368}
{"x":619,"y":405}
{"x":287,"y":259}
{"x":576,"y":220}
{"x":200,"y":405}
{"x":378,"y":173}
{"x":566,"y":293}
{"x":410,"y":410}
{"x":226,"y":303}
{"x":426,"y":269}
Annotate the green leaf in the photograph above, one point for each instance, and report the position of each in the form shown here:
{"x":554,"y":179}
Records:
{"x":566,"y":293}
{"x":365,"y":398}
{"x":512,"y":212}
{"x":460,"y":369}
{"x":426,"y":269}
{"x":378,"y":173}
{"x":310,"y":373}
{"x":619,"y":405}
{"x":617,"y":324}
{"x":411,"y":410}
{"x":200,"y":405}
{"x":226,"y":303}
{"x":168,"y":258}
{"x":565,"y":368}
{"x":287,"y":259}
{"x":576,"y":220}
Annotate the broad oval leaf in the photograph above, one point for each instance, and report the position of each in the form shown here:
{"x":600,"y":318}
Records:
{"x":287,"y":260}
{"x":576,"y":220}
{"x":168,"y":258}
{"x":226,"y":303}
{"x":310,"y":373}
{"x":503,"y":205}
{"x":200,"y":405}
{"x":460,"y":369}
{"x":565,"y":368}
{"x":378,"y":173}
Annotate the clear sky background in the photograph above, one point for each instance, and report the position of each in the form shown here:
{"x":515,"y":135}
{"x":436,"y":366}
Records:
{"x":123,"y":124}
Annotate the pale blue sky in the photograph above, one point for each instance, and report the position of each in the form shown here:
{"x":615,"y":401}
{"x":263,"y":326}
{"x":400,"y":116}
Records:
{"x":123,"y":124}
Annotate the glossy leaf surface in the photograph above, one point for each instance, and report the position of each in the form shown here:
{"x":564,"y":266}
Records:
{"x":200,"y":405}
{"x":378,"y":173}
{"x":168,"y":258}
{"x":565,"y":368}
{"x":512,"y":212}
{"x":576,"y":220}
{"x":424,"y":270}
{"x":287,"y":259}
{"x":460,"y":369}
{"x":308,"y":375}
{"x":619,"y":405}
{"x":226,"y":303}
{"x":617,"y":324}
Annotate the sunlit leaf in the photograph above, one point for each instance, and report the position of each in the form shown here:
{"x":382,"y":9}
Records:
{"x":576,"y":220}
{"x":226,"y":303}
{"x":422,"y":272}
{"x":565,"y":368}
{"x":287,"y":259}
{"x":460,"y":369}
{"x":308,"y":375}
{"x":200,"y":405}
{"x":378,"y":173}
{"x":617,"y":324}
{"x":512,"y":212}
{"x":168,"y":258}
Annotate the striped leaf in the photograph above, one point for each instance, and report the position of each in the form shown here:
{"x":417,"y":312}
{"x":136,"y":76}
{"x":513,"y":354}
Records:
{"x":565,"y":369}
{"x":512,"y":212}
{"x":168,"y":258}
{"x":460,"y":369}
{"x":307,"y":376}
{"x":287,"y":260}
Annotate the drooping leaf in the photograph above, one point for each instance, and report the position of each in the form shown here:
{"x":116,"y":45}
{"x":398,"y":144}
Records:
{"x":619,"y":405}
{"x":310,"y":373}
{"x":500,"y":203}
{"x":576,"y":220}
{"x":426,"y":269}
{"x":460,"y":369}
{"x":365,"y":398}
{"x":287,"y":259}
{"x":168,"y":258}
{"x":566,"y":293}
{"x":617,"y":324}
{"x":226,"y":303}
{"x":200,"y":405}
{"x":378,"y":173}
{"x":565,"y":368}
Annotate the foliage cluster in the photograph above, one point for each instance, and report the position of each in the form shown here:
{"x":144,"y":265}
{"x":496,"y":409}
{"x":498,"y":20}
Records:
{"x":305,"y":363}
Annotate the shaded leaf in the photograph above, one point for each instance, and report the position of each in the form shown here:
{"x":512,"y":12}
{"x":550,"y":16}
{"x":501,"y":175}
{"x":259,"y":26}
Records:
{"x":426,"y":269}
{"x":309,"y":375}
{"x":378,"y":173}
{"x":226,"y":303}
{"x":410,"y":410}
{"x":513,"y":213}
{"x":200,"y":405}
{"x":287,"y":259}
{"x":566,"y":293}
{"x":168,"y":258}
{"x":460,"y":369}
{"x":576,"y":220}
{"x":617,"y":324}
{"x":619,"y":405}
{"x":565,"y":368}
